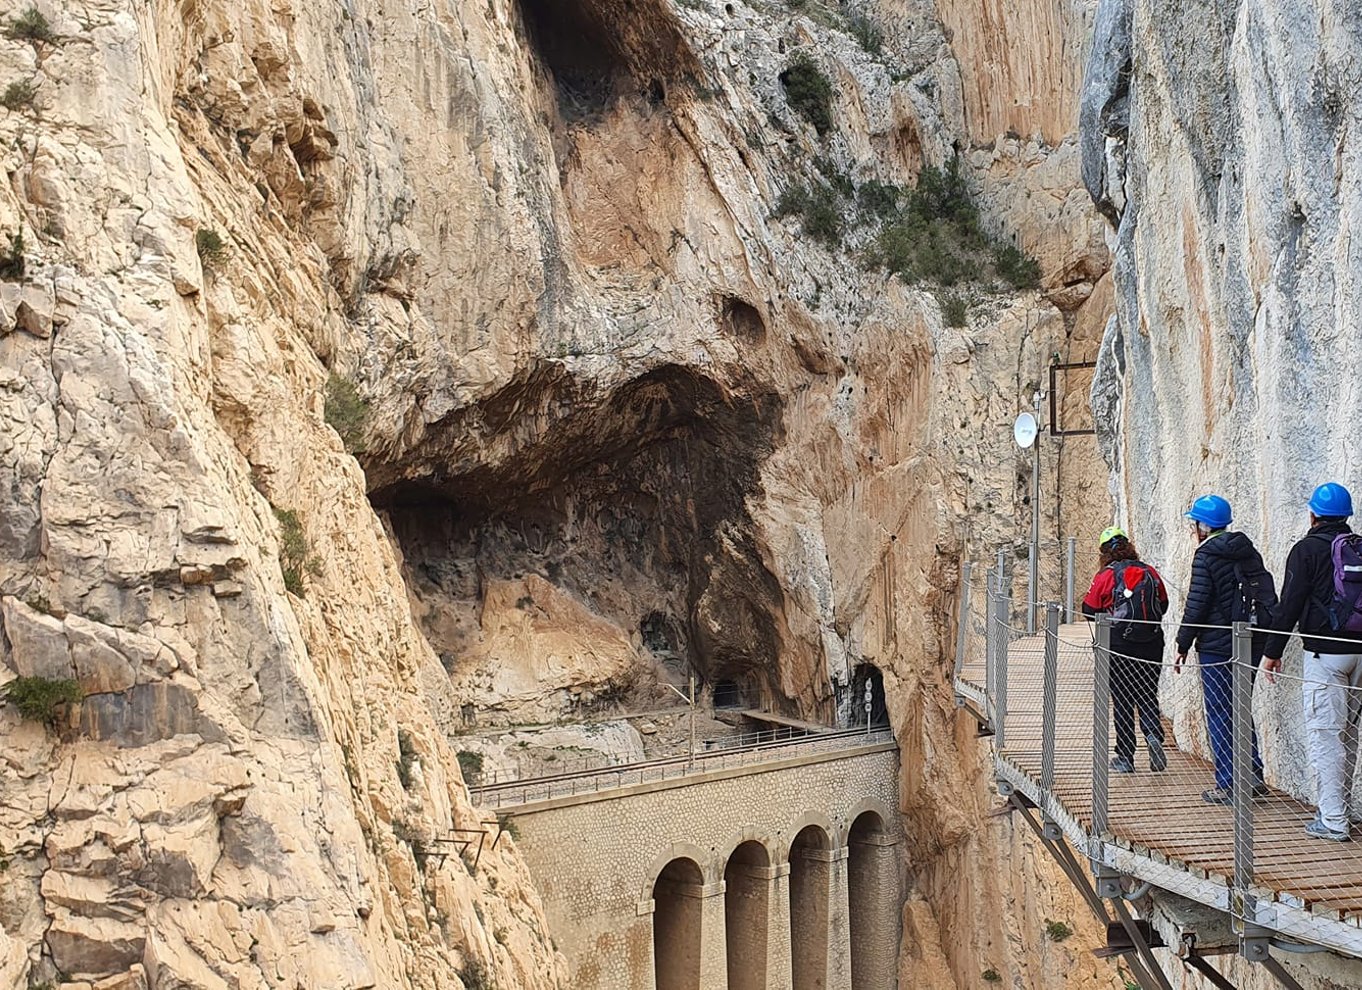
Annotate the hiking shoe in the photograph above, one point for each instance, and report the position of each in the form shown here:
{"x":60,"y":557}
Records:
{"x":1217,"y":795}
{"x":1261,"y":790}
{"x":1158,"y":760}
{"x":1318,"y":830}
{"x":1122,"y":764}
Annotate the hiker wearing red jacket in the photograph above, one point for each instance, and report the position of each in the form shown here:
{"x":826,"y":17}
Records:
{"x":1132,"y":592}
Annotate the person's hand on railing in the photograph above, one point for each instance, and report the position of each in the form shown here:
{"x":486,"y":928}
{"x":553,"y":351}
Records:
{"x":1271,"y":665}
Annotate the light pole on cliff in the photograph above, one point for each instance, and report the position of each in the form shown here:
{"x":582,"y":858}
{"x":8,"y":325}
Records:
{"x":1026,"y":431}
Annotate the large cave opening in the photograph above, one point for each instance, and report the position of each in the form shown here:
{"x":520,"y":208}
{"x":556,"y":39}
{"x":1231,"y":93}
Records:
{"x":572,"y":554}
{"x":593,"y":51}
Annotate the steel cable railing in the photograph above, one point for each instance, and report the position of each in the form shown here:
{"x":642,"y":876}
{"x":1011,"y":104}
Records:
{"x":1072,"y":713}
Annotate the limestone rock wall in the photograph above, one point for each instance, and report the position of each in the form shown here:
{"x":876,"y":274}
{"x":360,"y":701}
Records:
{"x":617,"y":412}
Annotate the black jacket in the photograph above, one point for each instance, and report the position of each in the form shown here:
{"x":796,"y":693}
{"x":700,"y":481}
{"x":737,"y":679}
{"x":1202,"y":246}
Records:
{"x":1212,"y":593}
{"x":1307,"y":590}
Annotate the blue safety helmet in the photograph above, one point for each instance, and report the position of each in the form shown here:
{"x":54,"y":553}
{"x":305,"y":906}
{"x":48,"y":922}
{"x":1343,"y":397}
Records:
{"x":1331,"y":501}
{"x":1212,"y":510}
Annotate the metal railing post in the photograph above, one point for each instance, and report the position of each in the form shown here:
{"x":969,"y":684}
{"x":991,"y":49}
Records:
{"x":1101,"y":741}
{"x":962,"y":619}
{"x":1070,"y":565}
{"x":1241,"y":713}
{"x":1032,"y":591}
{"x":1000,"y":659}
{"x":1049,"y":700}
{"x":990,"y":636}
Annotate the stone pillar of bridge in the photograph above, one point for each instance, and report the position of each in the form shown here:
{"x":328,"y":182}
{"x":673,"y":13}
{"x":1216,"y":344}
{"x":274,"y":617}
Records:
{"x":825,"y":949}
{"x":778,"y":974}
{"x":713,"y":941}
{"x":875,"y":909}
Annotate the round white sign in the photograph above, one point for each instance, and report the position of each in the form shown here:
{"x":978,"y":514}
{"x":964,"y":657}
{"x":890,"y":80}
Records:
{"x":1025,"y":429}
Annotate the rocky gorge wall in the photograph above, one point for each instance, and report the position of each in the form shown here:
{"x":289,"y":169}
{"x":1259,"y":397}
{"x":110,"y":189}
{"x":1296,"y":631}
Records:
{"x":615,"y":412}
{"x":1220,"y":139}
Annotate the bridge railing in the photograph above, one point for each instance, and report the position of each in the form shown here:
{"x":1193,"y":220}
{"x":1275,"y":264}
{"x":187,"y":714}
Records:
{"x":605,"y":778}
{"x":1051,"y":701}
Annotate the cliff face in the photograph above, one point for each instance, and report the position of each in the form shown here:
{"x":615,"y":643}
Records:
{"x":617,"y":412}
{"x":1225,"y":156}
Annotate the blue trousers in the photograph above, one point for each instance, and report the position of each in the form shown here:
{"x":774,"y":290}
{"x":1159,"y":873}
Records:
{"x":1217,"y":680}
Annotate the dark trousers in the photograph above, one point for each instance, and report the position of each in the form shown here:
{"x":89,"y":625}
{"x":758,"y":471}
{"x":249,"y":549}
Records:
{"x":1217,"y":682}
{"x":1135,"y":684}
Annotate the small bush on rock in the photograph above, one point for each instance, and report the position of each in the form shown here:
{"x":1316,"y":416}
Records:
{"x":295,"y":555}
{"x":406,"y":756}
{"x":41,"y":699}
{"x":12,"y":264}
{"x":474,"y":976}
{"x":31,"y":25}
{"x":211,"y":247}
{"x":1057,"y":931}
{"x":346,"y":412}
{"x":809,"y":92}
{"x":18,"y":95}
{"x":470,"y":764}
{"x":954,"y":310}
{"x":1019,"y":270}
{"x":818,"y":210}
{"x":866,"y":32}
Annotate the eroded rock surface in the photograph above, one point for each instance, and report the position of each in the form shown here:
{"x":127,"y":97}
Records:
{"x":621,"y":419}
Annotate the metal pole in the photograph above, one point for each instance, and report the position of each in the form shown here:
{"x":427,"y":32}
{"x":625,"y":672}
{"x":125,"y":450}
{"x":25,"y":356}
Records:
{"x":1033,"y":571}
{"x":962,"y":619}
{"x":1049,"y":700}
{"x":1000,"y":679}
{"x":691,"y":762}
{"x":990,"y":634}
{"x":1101,"y":684}
{"x":1241,"y":713}
{"x":1070,"y":560}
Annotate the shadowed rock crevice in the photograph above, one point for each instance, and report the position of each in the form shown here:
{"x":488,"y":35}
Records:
{"x":594,"y":51}
{"x":560,"y":508}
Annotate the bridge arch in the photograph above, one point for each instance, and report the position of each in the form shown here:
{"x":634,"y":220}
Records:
{"x":872,"y":896}
{"x":818,"y":818}
{"x":678,"y":850}
{"x":678,"y":923}
{"x":813,"y":856}
{"x":749,"y":871}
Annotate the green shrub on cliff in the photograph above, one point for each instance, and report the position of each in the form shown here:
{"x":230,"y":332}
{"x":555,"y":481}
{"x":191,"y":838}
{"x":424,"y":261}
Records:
{"x":346,"y":412}
{"x":295,"y":554}
{"x":31,"y":25}
{"x":809,"y":92}
{"x":41,"y":699}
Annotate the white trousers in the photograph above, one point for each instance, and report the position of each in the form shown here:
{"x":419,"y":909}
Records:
{"x":1333,"y":700}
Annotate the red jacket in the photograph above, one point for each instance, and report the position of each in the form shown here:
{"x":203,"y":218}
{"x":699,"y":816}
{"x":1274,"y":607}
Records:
{"x":1100,"y":598}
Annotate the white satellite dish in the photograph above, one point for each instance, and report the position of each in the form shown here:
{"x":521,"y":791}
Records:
{"x":1025,"y":430}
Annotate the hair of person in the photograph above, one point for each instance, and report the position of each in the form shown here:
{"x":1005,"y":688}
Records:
{"x":1119,"y":549}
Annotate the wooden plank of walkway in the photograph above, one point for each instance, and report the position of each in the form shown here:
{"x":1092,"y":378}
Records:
{"x":1163,"y":815}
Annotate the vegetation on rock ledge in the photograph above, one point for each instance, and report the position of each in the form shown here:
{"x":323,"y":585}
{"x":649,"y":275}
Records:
{"x":41,"y":699}
{"x":31,"y":25}
{"x":346,"y":412}
{"x":809,"y":92}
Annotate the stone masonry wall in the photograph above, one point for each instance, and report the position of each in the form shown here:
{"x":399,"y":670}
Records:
{"x":595,"y":863}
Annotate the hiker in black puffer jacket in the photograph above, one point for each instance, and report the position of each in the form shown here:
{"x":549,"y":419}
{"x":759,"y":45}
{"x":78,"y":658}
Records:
{"x":1224,"y":566}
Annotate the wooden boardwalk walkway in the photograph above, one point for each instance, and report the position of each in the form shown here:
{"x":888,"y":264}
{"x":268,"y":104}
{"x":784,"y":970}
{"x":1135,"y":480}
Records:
{"x":1160,"y":828}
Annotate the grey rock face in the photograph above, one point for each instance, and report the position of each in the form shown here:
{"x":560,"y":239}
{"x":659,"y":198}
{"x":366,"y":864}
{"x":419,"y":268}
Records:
{"x":1104,"y":107}
{"x":1230,"y":366}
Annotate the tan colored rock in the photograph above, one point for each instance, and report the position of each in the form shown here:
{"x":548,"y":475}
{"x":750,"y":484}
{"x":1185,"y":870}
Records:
{"x":93,"y":946}
{"x":37,"y":642}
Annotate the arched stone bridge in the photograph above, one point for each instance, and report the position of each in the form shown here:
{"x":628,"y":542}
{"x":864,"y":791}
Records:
{"x":780,"y":874}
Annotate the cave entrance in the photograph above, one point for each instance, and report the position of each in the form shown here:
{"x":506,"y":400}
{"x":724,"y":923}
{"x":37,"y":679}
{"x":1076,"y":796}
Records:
{"x":568,"y":550}
{"x":578,"y":50}
{"x":868,"y":705}
{"x":728,"y":694}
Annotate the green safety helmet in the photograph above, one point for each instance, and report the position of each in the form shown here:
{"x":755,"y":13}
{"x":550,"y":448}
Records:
{"x":1111,"y":533}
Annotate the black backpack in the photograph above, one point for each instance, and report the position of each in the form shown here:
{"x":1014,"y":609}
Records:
{"x":1255,"y":598}
{"x":1140,"y":602}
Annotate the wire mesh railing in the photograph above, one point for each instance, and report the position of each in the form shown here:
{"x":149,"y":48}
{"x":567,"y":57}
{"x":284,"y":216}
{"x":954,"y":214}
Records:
{"x":1239,"y":778}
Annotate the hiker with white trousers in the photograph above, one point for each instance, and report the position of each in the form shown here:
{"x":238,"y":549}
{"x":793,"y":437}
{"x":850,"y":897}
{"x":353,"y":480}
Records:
{"x":1320,"y":594}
